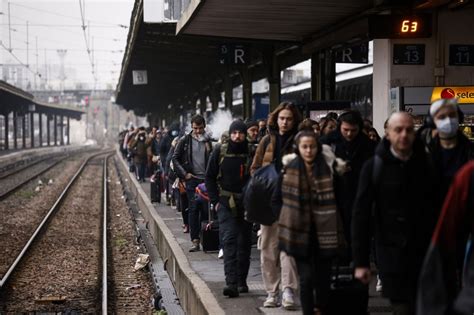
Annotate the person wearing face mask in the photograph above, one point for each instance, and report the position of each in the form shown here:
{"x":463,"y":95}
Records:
{"x":138,"y":147}
{"x":449,"y":148}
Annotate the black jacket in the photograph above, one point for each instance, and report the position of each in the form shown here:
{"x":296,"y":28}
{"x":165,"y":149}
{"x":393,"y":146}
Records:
{"x":446,"y":170}
{"x":401,"y":202}
{"x":233,"y":172}
{"x":355,"y":153}
{"x":165,"y":145}
{"x":183,"y":156}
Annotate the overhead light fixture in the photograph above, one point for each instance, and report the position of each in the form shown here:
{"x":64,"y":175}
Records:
{"x":457,"y":3}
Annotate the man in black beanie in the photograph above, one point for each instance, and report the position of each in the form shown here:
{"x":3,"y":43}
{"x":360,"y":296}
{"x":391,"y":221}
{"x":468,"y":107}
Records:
{"x":226,"y":175}
{"x":252,"y":131}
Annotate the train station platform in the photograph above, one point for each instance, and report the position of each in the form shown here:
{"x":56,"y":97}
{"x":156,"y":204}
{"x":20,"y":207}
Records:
{"x":199,"y":277}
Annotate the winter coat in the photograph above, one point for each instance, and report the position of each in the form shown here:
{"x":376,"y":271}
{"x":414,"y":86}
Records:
{"x":438,"y":287}
{"x":355,"y":154}
{"x":139,"y":149}
{"x":309,"y":211}
{"x":230,"y":175}
{"x":399,"y":201}
{"x":165,"y":145}
{"x":270,"y":151}
{"x":464,"y":152}
{"x":183,"y":155}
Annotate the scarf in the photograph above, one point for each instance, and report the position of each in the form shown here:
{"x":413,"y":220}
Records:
{"x":309,"y":211}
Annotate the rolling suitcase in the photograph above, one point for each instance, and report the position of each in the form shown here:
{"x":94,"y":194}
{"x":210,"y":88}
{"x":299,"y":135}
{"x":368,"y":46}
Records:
{"x":210,"y":232}
{"x":344,"y":287}
{"x":155,"y":187}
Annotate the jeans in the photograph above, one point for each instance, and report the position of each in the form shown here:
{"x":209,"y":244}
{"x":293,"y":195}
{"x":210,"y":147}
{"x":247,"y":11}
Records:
{"x":140,"y":170}
{"x":237,"y":244}
{"x":194,"y":212}
{"x":182,"y":204}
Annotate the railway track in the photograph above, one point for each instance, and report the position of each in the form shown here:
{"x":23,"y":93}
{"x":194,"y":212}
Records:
{"x":12,"y":181}
{"x":64,"y":266}
{"x":59,"y":269}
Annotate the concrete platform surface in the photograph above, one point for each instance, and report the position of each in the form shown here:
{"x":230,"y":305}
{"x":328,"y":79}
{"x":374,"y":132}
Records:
{"x":211,"y":270}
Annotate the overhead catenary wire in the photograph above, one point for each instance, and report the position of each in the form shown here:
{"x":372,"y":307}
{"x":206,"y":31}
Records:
{"x":82,"y":8}
{"x":68,"y":16}
{"x":19,"y":60}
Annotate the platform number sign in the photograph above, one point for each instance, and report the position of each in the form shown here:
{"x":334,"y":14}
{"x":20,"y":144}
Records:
{"x":461,"y":55}
{"x":354,"y":54}
{"x":413,"y":54}
{"x":233,"y":54}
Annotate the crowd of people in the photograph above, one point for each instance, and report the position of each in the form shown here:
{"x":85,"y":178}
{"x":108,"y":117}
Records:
{"x":399,"y":206}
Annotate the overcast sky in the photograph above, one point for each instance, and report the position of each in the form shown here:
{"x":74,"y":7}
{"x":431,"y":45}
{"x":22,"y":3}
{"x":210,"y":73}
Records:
{"x":58,"y":25}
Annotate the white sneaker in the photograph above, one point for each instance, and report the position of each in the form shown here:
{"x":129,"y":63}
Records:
{"x":221,"y":254}
{"x":271,"y":301}
{"x":288,"y":299}
{"x":378,"y":286}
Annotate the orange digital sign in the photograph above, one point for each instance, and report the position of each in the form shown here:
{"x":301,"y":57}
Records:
{"x":464,"y":94}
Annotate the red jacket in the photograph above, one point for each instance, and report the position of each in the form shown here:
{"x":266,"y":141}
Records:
{"x":438,"y":291}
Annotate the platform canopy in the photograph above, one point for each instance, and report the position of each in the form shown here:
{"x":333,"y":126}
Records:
{"x":177,"y":68}
{"x":15,"y":99}
{"x":280,"y":20}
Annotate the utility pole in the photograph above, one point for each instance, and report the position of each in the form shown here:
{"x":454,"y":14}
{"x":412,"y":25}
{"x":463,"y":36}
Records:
{"x":37,"y":70}
{"x":62,"y":74}
{"x":45,"y":70}
{"x":27,"y":46}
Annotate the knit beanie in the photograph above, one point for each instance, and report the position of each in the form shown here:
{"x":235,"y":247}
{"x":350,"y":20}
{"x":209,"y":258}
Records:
{"x":438,"y":104}
{"x":238,"y":125}
{"x":251,"y":123}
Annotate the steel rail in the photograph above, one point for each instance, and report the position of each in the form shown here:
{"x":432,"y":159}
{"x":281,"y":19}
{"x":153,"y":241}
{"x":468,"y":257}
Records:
{"x":20,"y":256}
{"x":104,"y":240}
{"x":24,"y":182}
{"x":23,"y":167}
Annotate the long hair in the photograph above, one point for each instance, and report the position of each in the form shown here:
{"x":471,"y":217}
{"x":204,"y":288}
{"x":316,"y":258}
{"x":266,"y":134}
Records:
{"x":273,"y":117}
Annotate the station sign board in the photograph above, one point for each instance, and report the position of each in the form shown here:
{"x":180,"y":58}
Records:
{"x":231,"y":54}
{"x":354,"y":54}
{"x":461,"y":55}
{"x":400,"y":26}
{"x":139,"y":77}
{"x":464,"y":94}
{"x":409,"y":54}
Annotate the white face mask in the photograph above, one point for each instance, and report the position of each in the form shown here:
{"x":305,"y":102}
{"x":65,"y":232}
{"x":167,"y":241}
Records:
{"x":447,"y":127}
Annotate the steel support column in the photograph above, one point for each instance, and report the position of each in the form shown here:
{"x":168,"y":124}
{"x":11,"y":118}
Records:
{"x":67,"y":131}
{"x":7,"y":144}
{"x":15,"y":130}
{"x":61,"y":129}
{"x":40,"y":125}
{"x":228,"y":91}
{"x":32,"y":130}
{"x":273,"y":77}
{"x":214,"y":97}
{"x":246,"y":75}
{"x":23,"y":131}
{"x":55,"y":129}
{"x":316,"y":76}
{"x":48,"y":129}
{"x":203,"y":104}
